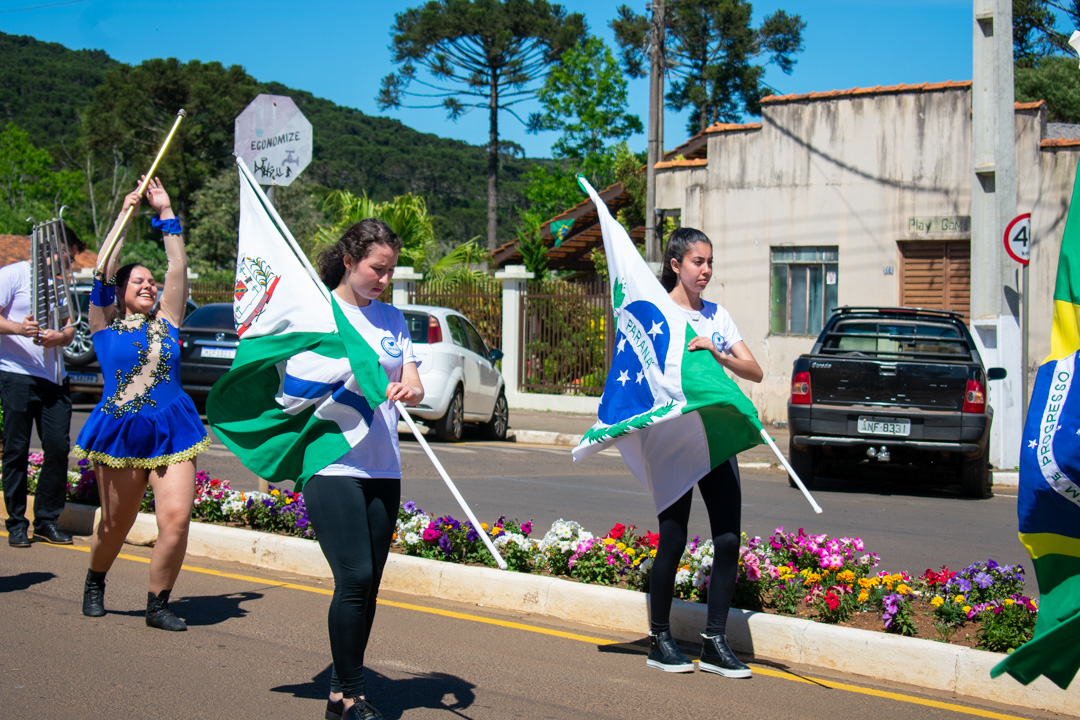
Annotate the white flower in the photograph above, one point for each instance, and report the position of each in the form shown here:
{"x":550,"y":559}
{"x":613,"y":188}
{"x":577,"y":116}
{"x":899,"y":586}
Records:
{"x":682,"y":576}
{"x":411,"y":538}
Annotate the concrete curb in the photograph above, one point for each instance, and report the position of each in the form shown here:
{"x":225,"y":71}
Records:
{"x":924,"y":663}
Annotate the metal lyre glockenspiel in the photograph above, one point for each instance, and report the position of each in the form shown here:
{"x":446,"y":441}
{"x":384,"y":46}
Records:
{"x":52,"y":301}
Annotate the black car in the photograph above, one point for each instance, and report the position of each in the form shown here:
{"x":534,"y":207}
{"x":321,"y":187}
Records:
{"x":898,"y":385}
{"x":208,"y":343}
{"x":80,"y":360}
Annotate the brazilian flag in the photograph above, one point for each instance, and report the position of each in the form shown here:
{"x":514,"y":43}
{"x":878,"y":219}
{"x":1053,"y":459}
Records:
{"x":1065,"y":335}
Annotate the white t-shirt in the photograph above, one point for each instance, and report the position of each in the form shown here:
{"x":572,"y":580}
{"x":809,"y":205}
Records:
{"x":714,"y":322}
{"x":378,"y":454}
{"x":18,"y":353}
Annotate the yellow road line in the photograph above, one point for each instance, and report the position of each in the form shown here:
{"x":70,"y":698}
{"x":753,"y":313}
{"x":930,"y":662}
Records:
{"x":768,"y":672}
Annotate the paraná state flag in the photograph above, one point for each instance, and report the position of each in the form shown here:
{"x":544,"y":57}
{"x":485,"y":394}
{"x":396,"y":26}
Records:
{"x":282,"y":408}
{"x":1049,"y":510}
{"x":673,"y":414}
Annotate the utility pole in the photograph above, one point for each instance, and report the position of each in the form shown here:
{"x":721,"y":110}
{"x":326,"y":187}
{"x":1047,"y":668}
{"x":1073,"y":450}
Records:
{"x":656,"y":127}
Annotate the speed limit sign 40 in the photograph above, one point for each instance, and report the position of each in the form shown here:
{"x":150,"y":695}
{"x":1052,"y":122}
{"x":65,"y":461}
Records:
{"x":1018,"y":238}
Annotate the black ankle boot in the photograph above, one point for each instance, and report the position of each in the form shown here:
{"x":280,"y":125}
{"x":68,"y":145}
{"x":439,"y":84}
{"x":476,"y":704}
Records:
{"x":716,"y":657}
{"x":93,"y":598}
{"x":159,"y":615}
{"x":664,"y":654}
{"x":361,"y":710}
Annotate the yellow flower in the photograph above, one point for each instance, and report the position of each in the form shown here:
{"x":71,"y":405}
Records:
{"x":484,"y":525}
{"x":621,"y":546}
{"x":967,"y":608}
{"x":864,"y":596}
{"x":652,"y":553}
{"x":288,"y":501}
{"x":1010,"y":601}
{"x":275,"y":492}
{"x":903,"y":589}
{"x":847,"y":576}
{"x":959,"y":599}
{"x":631,"y":551}
{"x":938,"y":601}
{"x":609,"y":541}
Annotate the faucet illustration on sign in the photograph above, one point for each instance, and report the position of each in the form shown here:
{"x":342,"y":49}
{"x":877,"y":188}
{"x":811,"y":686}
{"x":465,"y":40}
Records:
{"x":290,"y":157}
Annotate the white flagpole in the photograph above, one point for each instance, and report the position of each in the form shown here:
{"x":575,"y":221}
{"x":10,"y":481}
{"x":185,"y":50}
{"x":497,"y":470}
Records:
{"x":450,"y":484}
{"x":798,"y":481}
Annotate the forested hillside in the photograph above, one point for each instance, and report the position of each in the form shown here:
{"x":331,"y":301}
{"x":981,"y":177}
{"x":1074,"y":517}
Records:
{"x":90,"y":113}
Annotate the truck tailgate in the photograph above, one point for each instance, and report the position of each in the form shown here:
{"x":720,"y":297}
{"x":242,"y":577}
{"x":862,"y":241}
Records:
{"x":903,"y":383}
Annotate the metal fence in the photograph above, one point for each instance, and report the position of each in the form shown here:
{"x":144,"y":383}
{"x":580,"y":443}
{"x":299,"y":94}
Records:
{"x":205,"y":291}
{"x":565,"y":344}
{"x":478,"y":300}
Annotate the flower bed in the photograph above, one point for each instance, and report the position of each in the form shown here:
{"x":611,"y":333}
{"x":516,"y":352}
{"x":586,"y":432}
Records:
{"x":831,"y":580}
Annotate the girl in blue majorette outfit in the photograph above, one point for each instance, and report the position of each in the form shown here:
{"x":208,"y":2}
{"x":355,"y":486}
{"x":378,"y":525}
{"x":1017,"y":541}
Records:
{"x":146,"y":429}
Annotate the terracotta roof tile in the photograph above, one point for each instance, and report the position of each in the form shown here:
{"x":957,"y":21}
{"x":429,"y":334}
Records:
{"x":878,"y":90}
{"x":1060,"y":142}
{"x":720,"y":127}
{"x":692,"y":162}
{"x":1030,"y":105}
{"x":16,"y":248}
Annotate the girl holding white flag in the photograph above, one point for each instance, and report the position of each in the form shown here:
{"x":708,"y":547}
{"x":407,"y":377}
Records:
{"x":687,"y":269}
{"x":353,"y":502}
{"x":145,"y":430}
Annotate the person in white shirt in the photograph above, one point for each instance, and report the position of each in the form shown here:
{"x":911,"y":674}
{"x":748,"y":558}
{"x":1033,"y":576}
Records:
{"x":687,"y":269}
{"x":33,"y":389}
{"x":353,"y":502}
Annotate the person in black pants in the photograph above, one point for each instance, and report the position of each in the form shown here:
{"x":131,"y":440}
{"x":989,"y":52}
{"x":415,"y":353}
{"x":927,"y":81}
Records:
{"x":353,"y":502}
{"x":33,"y":389}
{"x":686,"y":271}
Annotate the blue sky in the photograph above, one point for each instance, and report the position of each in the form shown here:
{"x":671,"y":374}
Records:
{"x":339,"y":49}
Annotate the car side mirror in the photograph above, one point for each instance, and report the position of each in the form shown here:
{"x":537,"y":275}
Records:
{"x":996,"y":373}
{"x":495,"y":354}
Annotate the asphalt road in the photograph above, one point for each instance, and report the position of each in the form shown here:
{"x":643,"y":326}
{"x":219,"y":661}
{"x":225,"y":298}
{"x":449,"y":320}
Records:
{"x":912,"y":523}
{"x":257,"y":647}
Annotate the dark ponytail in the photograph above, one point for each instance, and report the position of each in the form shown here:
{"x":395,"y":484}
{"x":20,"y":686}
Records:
{"x":356,"y":243}
{"x":678,"y":244}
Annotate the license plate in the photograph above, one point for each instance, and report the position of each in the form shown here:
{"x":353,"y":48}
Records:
{"x":216,"y":352}
{"x":870,"y":426}
{"x":82,"y":377}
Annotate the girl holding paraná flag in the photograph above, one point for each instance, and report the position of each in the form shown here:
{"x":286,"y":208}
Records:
{"x":687,"y":269}
{"x":353,"y":502}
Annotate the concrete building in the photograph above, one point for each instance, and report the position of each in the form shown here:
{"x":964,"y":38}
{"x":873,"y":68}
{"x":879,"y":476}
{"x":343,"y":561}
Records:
{"x":860,"y":197}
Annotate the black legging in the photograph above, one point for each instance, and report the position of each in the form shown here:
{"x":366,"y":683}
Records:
{"x":723,"y":499}
{"x":354,"y":520}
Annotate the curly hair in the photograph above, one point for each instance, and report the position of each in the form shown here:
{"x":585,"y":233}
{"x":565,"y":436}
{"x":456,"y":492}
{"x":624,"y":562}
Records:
{"x":356,"y":243}
{"x":679,"y":243}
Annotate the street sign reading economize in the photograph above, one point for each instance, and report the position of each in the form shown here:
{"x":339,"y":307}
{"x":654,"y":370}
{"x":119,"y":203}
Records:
{"x":273,"y":138}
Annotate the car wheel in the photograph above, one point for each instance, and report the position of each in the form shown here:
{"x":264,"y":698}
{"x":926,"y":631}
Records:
{"x":450,"y":426}
{"x":804,"y":463}
{"x":495,"y":428}
{"x":975,"y":476}
{"x":80,"y":350}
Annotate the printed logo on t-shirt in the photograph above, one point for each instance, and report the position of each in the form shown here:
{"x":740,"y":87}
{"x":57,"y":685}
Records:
{"x":718,"y":341}
{"x":390,"y":347}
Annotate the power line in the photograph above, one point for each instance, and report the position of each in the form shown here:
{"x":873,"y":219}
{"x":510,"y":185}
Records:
{"x":41,"y":7}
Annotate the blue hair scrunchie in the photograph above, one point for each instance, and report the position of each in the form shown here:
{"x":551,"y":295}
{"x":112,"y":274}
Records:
{"x":169,"y":227}
{"x":102,"y":295}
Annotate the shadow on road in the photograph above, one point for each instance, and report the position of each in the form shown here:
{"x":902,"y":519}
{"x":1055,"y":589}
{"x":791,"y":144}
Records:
{"x":883,"y":479}
{"x":23,"y":581}
{"x":202,"y":610}
{"x":394,"y":698}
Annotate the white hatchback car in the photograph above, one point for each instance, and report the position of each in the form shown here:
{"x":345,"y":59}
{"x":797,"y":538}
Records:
{"x":461,"y":382}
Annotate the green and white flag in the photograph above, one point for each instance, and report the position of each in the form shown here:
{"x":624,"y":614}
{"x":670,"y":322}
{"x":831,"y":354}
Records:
{"x":282,"y":408}
{"x":674,"y":415}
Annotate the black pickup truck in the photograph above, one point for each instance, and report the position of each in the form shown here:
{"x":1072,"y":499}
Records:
{"x":893,"y":385}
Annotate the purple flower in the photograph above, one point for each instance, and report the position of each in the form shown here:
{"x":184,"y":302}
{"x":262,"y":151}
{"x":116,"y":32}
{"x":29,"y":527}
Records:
{"x":526,"y":528}
{"x":409,"y":507}
{"x":983,"y":580}
{"x":444,"y":545}
{"x":961,"y":584}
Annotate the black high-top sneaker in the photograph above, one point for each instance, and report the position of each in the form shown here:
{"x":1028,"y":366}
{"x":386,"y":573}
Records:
{"x":664,"y":654}
{"x":159,"y":615}
{"x":93,"y":599}
{"x":717,"y":657}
